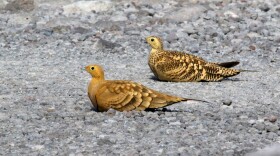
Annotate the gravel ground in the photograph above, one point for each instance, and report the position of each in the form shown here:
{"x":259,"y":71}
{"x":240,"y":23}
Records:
{"x":45,"y":44}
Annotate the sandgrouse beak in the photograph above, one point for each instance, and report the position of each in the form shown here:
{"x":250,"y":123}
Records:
{"x":145,"y":41}
{"x":87,"y":68}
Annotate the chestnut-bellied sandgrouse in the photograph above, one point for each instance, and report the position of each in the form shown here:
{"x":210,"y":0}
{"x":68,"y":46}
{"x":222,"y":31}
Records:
{"x":124,"y":95}
{"x":183,"y":67}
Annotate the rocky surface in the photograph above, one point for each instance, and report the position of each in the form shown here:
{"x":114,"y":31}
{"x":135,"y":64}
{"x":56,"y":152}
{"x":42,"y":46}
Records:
{"x":45,"y":44}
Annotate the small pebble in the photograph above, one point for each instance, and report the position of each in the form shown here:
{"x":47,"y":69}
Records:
{"x":51,"y":109}
{"x":252,"y":47}
{"x":227,"y":102}
{"x":272,"y":119}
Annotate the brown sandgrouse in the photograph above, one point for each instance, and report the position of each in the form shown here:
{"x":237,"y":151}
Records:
{"x":124,"y":95}
{"x":183,"y":67}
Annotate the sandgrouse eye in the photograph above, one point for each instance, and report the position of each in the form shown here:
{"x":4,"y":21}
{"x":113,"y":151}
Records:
{"x":92,"y":68}
{"x":152,"y":40}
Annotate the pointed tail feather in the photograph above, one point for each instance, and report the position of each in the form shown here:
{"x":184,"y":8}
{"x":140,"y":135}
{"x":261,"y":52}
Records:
{"x":186,"y":99}
{"x":241,"y":70}
{"x":228,"y":64}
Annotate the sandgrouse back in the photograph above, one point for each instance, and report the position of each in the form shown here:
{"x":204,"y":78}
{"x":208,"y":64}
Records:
{"x":183,"y":67}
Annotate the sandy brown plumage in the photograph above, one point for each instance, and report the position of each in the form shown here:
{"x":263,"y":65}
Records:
{"x":124,"y":95}
{"x":179,"y":66}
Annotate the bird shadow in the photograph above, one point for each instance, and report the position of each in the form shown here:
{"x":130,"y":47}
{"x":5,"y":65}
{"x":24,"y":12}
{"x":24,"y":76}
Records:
{"x":151,"y":110}
{"x":94,"y":109}
{"x":232,"y":79}
{"x":155,"y":78}
{"x":163,"y":110}
{"x":225,"y":79}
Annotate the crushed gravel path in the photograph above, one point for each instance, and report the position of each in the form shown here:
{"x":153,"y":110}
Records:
{"x":45,"y":44}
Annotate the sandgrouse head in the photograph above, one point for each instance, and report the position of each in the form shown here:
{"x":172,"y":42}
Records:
{"x":155,"y":42}
{"x":95,"y":71}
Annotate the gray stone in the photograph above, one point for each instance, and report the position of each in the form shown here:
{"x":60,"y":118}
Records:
{"x":172,"y":37}
{"x":119,"y":18}
{"x":272,"y":150}
{"x":190,"y":29}
{"x":86,"y":36}
{"x":252,"y":122}
{"x":227,"y":102}
{"x":100,"y":44}
{"x":264,"y":7}
{"x":3,"y":116}
{"x":85,"y":7}
{"x":81,"y":30}
{"x":236,"y":41}
{"x":271,"y":127}
{"x":232,"y":15}
{"x":186,"y":14}
{"x":253,"y":35}
{"x":18,"y":5}
{"x":229,"y":152}
{"x":278,"y":9}
{"x":271,"y":118}
{"x":260,"y":126}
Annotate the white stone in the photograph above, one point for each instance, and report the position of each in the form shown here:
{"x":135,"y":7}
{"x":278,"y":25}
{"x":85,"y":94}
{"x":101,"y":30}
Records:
{"x":21,"y":19}
{"x":231,"y":14}
{"x":119,"y":18}
{"x":37,"y":147}
{"x":81,"y":7}
{"x":3,"y":116}
{"x":253,"y":35}
{"x":186,"y":13}
{"x":3,"y":4}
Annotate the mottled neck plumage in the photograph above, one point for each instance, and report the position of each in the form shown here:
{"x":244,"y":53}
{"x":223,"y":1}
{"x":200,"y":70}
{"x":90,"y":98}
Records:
{"x":160,"y":45}
{"x":154,"y":56}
